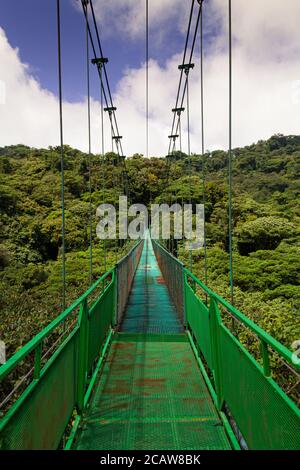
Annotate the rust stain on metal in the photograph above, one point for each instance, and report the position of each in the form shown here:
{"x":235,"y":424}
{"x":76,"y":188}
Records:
{"x":194,"y":400}
{"x":187,"y":360}
{"x":120,"y":406}
{"x":150,"y":382}
{"x":117,"y":390}
{"x":185,"y":374}
{"x":182,"y":385}
{"x":123,"y":345}
{"x":120,"y":366}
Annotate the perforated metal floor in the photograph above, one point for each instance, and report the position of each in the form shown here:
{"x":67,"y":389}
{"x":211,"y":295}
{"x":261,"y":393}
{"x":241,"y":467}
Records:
{"x":151,"y":394}
{"x":149,"y":308}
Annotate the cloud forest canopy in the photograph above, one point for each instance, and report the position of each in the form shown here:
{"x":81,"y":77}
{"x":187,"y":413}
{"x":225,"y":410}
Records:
{"x":266,"y":217}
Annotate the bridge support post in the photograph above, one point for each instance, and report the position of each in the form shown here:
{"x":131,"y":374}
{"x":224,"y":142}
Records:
{"x":215,"y":321}
{"x":82,"y":355}
{"x":266,"y":359}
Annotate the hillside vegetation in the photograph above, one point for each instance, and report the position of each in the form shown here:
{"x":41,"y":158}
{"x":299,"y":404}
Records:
{"x":266,"y":220}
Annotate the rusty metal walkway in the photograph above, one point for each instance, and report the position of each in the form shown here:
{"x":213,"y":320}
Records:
{"x":149,"y":309}
{"x":149,"y":383}
{"x":151,"y":394}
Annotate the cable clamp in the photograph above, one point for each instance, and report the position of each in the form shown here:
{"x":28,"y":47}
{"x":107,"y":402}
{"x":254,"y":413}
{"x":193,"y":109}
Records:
{"x":110,"y":109}
{"x":100,"y":61}
{"x":186,"y":67}
{"x":178,"y":111}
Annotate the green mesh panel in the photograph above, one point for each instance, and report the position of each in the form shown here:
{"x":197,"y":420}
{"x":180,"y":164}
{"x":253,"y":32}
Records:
{"x":126,"y":269}
{"x":41,"y":419}
{"x":149,"y":307}
{"x":172,"y":271}
{"x":38,"y":419}
{"x":266,"y":418}
{"x":151,"y":395}
{"x":101,"y":317}
{"x":197,"y":316}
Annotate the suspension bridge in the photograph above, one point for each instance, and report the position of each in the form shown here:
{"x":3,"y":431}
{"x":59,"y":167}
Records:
{"x":148,"y":357}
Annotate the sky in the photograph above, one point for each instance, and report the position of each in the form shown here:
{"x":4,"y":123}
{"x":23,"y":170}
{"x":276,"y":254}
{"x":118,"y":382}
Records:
{"x":266,"y":72}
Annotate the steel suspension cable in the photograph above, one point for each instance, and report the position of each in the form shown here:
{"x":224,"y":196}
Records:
{"x":89,"y":150}
{"x":181,"y":73}
{"x":186,"y":67}
{"x":203,"y":144}
{"x":147,"y":78}
{"x":189,"y":155}
{"x":180,"y":134}
{"x":63,"y":231}
{"x":173,"y":133}
{"x":105,"y":72}
{"x":230,"y":235}
{"x":178,"y":131}
{"x":107,"y":103}
{"x":115,"y":180}
{"x":103,"y":159}
{"x":108,"y":100}
{"x":190,"y":60}
{"x":188,"y":114}
{"x":102,"y":97}
{"x":176,"y":198}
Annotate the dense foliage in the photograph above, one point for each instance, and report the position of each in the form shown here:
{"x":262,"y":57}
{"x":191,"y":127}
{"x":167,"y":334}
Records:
{"x":266,"y":221}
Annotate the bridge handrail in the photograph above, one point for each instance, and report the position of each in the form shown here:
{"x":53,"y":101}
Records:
{"x":168,"y":252}
{"x":262,"y":334}
{"x":241,"y":384}
{"x":172,"y":270}
{"x":61,"y":363}
{"x":257,"y":330}
{"x":125,"y":257}
{"x":16,"y":358}
{"x":125,"y":271}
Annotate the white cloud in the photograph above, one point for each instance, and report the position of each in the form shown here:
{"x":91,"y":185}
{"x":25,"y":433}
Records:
{"x":266,"y":77}
{"x":128,"y":17}
{"x":265,"y":30}
{"x":29,"y":114}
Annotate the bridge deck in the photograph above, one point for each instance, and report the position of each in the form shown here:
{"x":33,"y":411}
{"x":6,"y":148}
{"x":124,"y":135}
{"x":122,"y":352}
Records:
{"x":151,"y":394}
{"x":149,"y":309}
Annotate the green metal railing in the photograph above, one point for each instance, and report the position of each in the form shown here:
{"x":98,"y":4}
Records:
{"x":172,"y":271}
{"x":126,"y":268}
{"x":239,"y":383}
{"x":59,"y":388}
{"x":58,"y":385}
